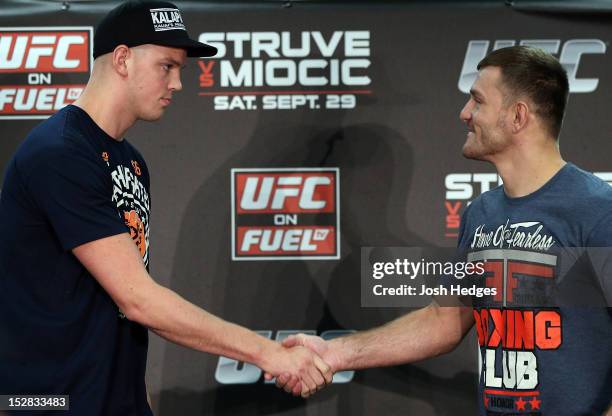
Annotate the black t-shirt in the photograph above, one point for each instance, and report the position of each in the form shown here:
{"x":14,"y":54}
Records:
{"x":70,"y":183}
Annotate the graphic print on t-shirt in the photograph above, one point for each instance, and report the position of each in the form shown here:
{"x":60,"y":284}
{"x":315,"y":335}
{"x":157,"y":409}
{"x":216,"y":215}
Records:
{"x":518,"y":324}
{"x":132,"y":201}
{"x":132,"y":220}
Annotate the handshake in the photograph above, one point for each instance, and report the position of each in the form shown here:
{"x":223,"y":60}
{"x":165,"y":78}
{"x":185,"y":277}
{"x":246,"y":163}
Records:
{"x":303,"y":364}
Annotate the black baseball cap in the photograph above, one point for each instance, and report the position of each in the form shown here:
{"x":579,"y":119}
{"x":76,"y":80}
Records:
{"x":137,"y":22}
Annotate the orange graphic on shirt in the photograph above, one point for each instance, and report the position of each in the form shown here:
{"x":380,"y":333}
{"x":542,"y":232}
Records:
{"x":132,"y":220}
{"x":105,"y":156}
{"x":136,"y":167}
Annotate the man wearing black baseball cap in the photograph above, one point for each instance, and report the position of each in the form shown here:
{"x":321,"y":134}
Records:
{"x":136,"y":23}
{"x":76,"y":298}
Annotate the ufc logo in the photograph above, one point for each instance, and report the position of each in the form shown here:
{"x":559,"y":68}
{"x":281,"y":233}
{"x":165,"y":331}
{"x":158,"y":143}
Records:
{"x":44,"y":51}
{"x":262,"y":193}
{"x":285,"y":213}
{"x":570,"y":55}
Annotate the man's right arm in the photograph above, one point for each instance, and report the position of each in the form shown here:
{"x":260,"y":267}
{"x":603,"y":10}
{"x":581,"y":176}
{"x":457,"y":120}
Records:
{"x":116,"y":264}
{"x":425,"y":333}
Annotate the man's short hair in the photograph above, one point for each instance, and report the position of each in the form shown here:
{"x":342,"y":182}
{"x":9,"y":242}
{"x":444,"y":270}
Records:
{"x":536,"y":74}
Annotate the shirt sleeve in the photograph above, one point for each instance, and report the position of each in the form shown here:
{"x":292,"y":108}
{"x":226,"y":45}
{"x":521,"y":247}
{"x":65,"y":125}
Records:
{"x":599,"y":247}
{"x":463,"y":235}
{"x":74,"y":192}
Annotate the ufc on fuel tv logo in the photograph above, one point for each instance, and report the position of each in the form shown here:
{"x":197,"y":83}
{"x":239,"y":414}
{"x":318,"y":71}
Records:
{"x":569,"y":54}
{"x":285,"y":214}
{"x":42,"y":69}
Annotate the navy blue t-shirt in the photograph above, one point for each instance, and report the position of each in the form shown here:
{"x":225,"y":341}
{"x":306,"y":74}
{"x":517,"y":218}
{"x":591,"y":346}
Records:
{"x":541,"y":360}
{"x":70,"y":183}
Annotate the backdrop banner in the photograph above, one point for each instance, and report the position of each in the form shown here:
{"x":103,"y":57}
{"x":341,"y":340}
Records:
{"x":317,"y":130}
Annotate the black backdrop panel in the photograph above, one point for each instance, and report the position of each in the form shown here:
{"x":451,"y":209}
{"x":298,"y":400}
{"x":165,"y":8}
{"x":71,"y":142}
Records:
{"x":395,"y":139}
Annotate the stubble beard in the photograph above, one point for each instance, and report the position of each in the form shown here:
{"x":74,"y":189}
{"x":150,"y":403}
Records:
{"x":489,"y":143}
{"x":475,"y":148}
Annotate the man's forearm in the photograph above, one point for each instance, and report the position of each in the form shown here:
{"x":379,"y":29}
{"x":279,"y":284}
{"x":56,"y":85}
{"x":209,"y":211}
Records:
{"x":421,"y":334}
{"x":177,"y":320}
{"x":142,"y":300}
{"x":184,"y":323}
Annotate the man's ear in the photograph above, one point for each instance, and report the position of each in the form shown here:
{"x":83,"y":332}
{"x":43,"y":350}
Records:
{"x":120,"y":56}
{"x":521,"y":113}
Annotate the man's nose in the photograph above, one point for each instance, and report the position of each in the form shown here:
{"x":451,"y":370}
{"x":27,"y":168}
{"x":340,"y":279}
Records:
{"x":466,"y":113}
{"x":175,"y":83}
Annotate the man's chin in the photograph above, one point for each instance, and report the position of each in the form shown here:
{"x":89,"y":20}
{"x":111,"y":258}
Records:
{"x":151,"y":117}
{"x":470,"y":153}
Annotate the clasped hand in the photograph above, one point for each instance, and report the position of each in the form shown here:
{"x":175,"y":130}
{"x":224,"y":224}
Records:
{"x":305,"y":364}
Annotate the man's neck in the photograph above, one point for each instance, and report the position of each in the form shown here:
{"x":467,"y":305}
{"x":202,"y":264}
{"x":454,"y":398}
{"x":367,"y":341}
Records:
{"x":106,"y":109}
{"x":525,"y":170}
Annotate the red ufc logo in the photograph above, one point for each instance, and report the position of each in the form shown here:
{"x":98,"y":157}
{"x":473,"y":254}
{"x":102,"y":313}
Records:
{"x":304,"y":192}
{"x":44,"y":51}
